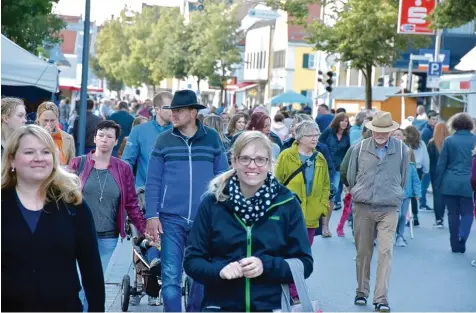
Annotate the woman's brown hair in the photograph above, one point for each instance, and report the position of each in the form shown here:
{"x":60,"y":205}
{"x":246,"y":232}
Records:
{"x":232,"y":124}
{"x":412,"y":137}
{"x":335,"y":124}
{"x":439,"y":135}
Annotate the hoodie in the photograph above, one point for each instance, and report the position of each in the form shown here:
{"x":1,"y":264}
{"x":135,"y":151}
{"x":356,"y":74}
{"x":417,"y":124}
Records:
{"x":281,"y":130}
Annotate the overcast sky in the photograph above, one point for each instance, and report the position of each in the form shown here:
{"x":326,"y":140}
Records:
{"x":101,"y":10}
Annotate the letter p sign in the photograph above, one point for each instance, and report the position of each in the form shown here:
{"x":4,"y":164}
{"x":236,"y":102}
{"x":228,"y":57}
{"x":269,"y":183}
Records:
{"x":434,"y":69}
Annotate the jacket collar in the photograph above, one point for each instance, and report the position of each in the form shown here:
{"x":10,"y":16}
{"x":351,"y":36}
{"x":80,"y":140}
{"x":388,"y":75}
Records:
{"x":89,"y":158}
{"x":295,"y":149}
{"x":463,"y":133}
{"x":371,"y":145}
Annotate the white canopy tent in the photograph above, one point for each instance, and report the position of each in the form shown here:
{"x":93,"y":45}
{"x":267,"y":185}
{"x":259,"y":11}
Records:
{"x":21,"y":68}
{"x":468,"y":62}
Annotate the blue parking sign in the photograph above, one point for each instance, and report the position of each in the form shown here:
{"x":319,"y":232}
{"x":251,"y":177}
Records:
{"x":434,"y":69}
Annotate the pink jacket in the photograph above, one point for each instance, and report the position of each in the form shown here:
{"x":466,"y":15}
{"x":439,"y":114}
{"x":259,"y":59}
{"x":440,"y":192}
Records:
{"x":122,"y":174}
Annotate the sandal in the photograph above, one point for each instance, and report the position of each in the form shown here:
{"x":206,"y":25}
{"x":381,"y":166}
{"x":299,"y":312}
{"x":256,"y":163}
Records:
{"x":380,"y":307}
{"x":360,"y":301}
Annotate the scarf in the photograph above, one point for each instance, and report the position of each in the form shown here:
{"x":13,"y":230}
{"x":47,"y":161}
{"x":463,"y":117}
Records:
{"x":253,"y":209}
{"x":59,"y":144}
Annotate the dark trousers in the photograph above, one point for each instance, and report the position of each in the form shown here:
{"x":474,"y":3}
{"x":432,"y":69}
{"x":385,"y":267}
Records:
{"x":438,"y":202}
{"x":414,"y":200}
{"x":460,"y":219}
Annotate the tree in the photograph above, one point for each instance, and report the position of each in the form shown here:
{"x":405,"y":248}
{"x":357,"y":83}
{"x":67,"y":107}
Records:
{"x":112,"y":48}
{"x":222,"y":36}
{"x":453,"y":13}
{"x":364,"y":35}
{"x":112,"y":83}
{"x":30,"y":23}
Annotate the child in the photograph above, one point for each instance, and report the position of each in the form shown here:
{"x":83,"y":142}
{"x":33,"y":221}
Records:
{"x":412,"y":190}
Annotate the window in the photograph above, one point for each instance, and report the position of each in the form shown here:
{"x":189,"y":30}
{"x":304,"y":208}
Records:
{"x":279,"y":59}
{"x":309,"y":60}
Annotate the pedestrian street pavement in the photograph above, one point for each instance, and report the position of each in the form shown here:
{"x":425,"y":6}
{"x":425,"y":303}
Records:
{"x":426,"y":275}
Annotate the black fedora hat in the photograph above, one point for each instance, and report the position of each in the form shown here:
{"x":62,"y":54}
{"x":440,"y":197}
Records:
{"x":184,"y":99}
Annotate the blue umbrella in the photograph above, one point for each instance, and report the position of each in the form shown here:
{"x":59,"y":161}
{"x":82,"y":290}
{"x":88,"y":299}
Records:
{"x":290,"y":97}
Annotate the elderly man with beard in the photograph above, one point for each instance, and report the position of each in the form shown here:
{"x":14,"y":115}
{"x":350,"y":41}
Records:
{"x":377,"y":174}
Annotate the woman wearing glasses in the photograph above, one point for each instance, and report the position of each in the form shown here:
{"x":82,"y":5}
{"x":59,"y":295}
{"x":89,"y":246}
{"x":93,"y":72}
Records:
{"x":304,"y":171}
{"x":247,"y":225}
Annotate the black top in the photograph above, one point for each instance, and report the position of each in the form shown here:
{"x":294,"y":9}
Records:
{"x":218,"y":237}
{"x":39,"y":270}
{"x":31,"y":217}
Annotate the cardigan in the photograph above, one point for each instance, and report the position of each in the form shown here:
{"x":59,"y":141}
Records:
{"x":39,"y":271}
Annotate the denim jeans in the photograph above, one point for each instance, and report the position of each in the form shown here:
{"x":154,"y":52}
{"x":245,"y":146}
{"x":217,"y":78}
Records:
{"x":106,"y":249}
{"x":176,"y":230}
{"x":402,"y":217}
{"x":425,"y":183}
{"x":338,"y":186}
{"x":460,"y":219}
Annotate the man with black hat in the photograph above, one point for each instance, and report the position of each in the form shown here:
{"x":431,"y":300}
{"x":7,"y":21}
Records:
{"x":183,"y":161}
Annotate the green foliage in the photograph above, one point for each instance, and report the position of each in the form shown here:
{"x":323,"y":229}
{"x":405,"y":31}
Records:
{"x":100,"y":72}
{"x":30,"y":23}
{"x":157,"y":44}
{"x":453,"y":13}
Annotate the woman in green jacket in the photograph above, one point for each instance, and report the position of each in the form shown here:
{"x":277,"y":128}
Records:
{"x":311,"y":184}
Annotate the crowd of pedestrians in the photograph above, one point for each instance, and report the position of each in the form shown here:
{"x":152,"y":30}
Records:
{"x":228,"y":197}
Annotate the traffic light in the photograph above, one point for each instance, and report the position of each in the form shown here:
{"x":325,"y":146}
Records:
{"x":418,"y":83}
{"x":329,"y":81}
{"x":200,"y":6}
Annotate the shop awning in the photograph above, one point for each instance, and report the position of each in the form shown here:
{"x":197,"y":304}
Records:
{"x":240,"y":87}
{"x":78,"y":88}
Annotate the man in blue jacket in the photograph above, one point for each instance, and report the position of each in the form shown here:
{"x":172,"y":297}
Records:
{"x":142,"y":137}
{"x":184,"y":160}
{"x":426,"y":135}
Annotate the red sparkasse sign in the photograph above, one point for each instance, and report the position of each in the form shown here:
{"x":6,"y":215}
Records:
{"x":412,"y":17}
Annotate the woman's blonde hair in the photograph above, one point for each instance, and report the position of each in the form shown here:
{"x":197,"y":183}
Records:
{"x":60,"y":185}
{"x":218,"y":184}
{"x":216,"y":122}
{"x":9,"y":105}
{"x":47,"y":106}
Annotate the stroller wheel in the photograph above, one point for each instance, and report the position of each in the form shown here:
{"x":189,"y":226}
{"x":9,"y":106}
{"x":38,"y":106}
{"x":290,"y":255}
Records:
{"x":125,"y":292}
{"x":185,"y":290}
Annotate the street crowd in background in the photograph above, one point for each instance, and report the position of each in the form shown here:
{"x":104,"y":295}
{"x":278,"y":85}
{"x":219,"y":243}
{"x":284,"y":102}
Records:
{"x":230,"y":196}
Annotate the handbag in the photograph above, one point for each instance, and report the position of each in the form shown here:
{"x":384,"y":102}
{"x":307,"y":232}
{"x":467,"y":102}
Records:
{"x":306,"y":305}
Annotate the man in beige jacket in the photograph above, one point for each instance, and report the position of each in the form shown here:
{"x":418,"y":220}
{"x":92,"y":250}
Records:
{"x":377,"y":174}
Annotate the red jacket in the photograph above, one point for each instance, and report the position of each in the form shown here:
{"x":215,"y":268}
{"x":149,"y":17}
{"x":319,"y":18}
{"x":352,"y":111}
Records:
{"x":122,"y":174}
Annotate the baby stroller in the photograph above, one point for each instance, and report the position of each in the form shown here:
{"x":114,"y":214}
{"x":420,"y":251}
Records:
{"x":146,"y":282}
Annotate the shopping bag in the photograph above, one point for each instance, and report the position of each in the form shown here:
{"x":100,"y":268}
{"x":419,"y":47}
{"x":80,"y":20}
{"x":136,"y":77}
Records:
{"x":306,"y":305}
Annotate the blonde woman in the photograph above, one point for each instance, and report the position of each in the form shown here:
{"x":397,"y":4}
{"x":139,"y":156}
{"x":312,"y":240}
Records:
{"x":216,"y":122}
{"x":47,"y":117}
{"x":13,"y":117}
{"x":46,"y":229}
{"x":247,"y":225}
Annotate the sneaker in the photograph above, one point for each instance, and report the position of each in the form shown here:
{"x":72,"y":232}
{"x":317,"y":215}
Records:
{"x":400,"y":242}
{"x":438,"y":224}
{"x":337,"y":207}
{"x":340,"y":233}
{"x":473,"y":263}
{"x":416,"y":223}
{"x":153,"y":301}
{"x":296,"y":301}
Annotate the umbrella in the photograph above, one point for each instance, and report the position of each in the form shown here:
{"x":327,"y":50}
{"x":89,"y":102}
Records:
{"x":289,"y":97}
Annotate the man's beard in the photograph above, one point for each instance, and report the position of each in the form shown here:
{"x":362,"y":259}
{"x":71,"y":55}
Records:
{"x":380,"y":141}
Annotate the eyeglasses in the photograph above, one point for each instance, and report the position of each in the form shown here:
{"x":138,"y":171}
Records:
{"x":311,"y":136}
{"x":246,"y":160}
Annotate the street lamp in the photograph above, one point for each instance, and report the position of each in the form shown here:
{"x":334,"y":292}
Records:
{"x":84,"y":81}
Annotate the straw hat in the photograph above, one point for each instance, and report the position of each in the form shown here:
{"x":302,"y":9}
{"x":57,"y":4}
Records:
{"x":382,"y":122}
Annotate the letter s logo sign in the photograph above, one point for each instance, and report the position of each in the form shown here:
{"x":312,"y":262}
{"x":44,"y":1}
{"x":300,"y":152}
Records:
{"x":417,"y":15}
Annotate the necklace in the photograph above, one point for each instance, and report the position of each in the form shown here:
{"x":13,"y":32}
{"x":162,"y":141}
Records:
{"x":103,"y":185}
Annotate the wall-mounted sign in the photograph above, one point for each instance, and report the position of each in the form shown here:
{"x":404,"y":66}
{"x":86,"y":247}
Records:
{"x":413,"y":17}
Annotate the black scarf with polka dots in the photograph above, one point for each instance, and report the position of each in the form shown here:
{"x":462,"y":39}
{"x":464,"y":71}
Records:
{"x":252,"y":209}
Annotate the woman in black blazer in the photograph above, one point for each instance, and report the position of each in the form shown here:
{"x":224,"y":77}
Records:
{"x":46,"y":229}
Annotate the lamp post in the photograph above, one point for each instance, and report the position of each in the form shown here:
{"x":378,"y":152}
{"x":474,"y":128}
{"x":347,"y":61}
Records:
{"x":84,"y":81}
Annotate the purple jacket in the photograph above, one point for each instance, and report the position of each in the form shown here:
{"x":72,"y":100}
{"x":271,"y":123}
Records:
{"x":122,"y":174}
